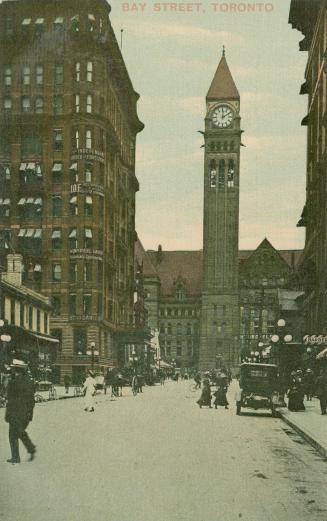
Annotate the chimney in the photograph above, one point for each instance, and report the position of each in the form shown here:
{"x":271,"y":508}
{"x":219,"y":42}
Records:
{"x":13,"y":275}
{"x":159,"y":254}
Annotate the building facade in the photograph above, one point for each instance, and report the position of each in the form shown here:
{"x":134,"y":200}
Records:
{"x":311,"y":19}
{"x":222,"y":139}
{"x":25,"y":322}
{"x":68,"y":130}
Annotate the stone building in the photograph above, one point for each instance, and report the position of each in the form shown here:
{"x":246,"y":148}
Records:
{"x":25,"y":322}
{"x":311,"y":19}
{"x":68,"y":129}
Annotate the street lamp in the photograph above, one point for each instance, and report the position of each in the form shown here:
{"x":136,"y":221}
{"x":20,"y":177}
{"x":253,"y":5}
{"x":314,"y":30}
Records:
{"x":92,"y":351}
{"x":134,"y":358}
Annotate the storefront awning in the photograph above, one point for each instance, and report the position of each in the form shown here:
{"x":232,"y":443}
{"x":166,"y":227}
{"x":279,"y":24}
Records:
{"x":45,"y":338}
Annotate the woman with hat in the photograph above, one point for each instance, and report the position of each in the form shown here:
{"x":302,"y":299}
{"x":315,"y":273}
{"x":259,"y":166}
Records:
{"x":89,"y":391}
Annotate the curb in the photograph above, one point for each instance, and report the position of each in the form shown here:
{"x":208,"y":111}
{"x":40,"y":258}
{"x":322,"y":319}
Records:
{"x":305,"y":435}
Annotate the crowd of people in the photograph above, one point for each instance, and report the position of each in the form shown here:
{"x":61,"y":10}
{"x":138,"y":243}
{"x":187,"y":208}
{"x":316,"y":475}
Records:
{"x":221,"y":380}
{"x":306,"y":384}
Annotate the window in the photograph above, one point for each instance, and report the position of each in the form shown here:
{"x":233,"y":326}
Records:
{"x":56,"y":305}
{"x":88,"y":238}
{"x":213,"y":174}
{"x":26,"y":75}
{"x":168,"y":347}
{"x":179,"y":328}
{"x":56,"y":206}
{"x":72,"y":304}
{"x":39,"y":26}
{"x":101,"y":206}
{"x":72,"y":239}
{"x":73,"y":272}
{"x":39,"y":75}
{"x":101,"y":139}
{"x":80,"y":341}
{"x":58,"y":139}
{"x":88,"y":172}
{"x":91,"y":19}
{"x":59,"y":24}
{"x":169,"y":329}
{"x":39,"y":105}
{"x":59,"y":74}
{"x":89,"y":71}
{"x":180,"y":292}
{"x":87,"y":271}
{"x":88,"y":139}
{"x":46,"y":322}
{"x":75,"y":23}
{"x":26,"y":104}
{"x":56,"y":239}
{"x":58,"y":105}
{"x":7,"y":103}
{"x":230,"y":173}
{"x":77,"y":71}
{"x":100,"y":241}
{"x":221,"y":173}
{"x":89,"y":102}
{"x":77,"y":103}
{"x":8,"y":77}
{"x":75,"y":139}
{"x":88,"y":207}
{"x":21,"y":315}
{"x":73,"y":207}
{"x":56,"y":272}
{"x":31,"y":146}
{"x":38,"y":320}
{"x":9,"y":26}
{"x":73,"y":171}
{"x":57,"y":172}
{"x":179,"y":348}
{"x":100,"y":272}
{"x":87,"y":304}
{"x":30,"y":317}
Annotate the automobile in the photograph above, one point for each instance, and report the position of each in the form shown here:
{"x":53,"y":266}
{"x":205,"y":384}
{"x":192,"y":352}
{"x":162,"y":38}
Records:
{"x":259,"y":387}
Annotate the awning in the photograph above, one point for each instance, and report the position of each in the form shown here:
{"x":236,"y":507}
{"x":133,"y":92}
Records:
{"x":26,"y":21}
{"x":30,"y":166}
{"x":73,"y":200}
{"x":322,"y":354}
{"x":22,"y":167}
{"x":57,"y":167}
{"x":73,"y":234}
{"x":91,"y":17}
{"x":59,"y":20}
{"x":22,"y":232}
{"x":39,"y":21}
{"x":73,"y":166}
{"x":38,"y":233}
{"x":88,"y":199}
{"x":75,"y":18}
{"x":30,"y":232}
{"x":46,"y":338}
{"x":88,"y":233}
{"x":56,"y":234}
{"x":6,"y":201}
{"x":21,"y":201}
{"x":30,"y":200}
{"x":38,"y":201}
{"x":38,"y":170}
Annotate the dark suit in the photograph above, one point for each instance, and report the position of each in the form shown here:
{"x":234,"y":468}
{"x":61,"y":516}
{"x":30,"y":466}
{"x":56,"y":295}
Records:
{"x":321,"y":391}
{"x":19,"y":412}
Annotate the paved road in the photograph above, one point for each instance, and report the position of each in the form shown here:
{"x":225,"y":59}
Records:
{"x":158,"y":457}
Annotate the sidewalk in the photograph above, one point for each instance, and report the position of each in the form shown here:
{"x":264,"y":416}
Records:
{"x":310,"y":424}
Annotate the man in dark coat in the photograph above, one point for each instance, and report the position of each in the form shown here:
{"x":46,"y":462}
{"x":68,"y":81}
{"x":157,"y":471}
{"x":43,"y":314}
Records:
{"x":19,"y":412}
{"x":321,"y":390}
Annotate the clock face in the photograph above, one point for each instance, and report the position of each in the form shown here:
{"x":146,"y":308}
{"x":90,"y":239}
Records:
{"x":222,"y":116}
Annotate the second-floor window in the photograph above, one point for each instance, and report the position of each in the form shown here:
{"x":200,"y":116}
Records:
{"x":8,"y":77}
{"x":26,"y":75}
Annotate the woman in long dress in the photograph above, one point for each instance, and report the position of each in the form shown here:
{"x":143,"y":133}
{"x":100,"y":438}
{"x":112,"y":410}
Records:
{"x":89,"y":390}
{"x":220,"y":394}
{"x":205,"y":398}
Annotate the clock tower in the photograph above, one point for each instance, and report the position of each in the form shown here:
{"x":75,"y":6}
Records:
{"x":220,"y":303}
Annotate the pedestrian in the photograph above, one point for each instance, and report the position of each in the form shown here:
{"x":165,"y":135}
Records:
{"x":205,"y":398}
{"x":309,"y":384}
{"x":220,"y":394}
{"x":135,"y":385}
{"x":197,"y":379}
{"x":295,"y":393}
{"x":321,"y":390}
{"x":140,"y":383}
{"x":19,"y":411}
{"x":89,"y":391}
{"x":67,"y":382}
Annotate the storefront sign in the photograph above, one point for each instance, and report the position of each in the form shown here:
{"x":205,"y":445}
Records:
{"x":88,"y":154}
{"x":80,"y":253}
{"x":315,"y":339}
{"x":87,"y":188}
{"x":84,"y":318}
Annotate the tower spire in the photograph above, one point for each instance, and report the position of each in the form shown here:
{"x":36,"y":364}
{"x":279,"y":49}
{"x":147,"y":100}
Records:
{"x":224,"y":51}
{"x":223,"y":85}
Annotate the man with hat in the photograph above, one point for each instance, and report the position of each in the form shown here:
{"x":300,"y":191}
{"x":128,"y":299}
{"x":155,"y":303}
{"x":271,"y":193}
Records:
{"x":19,"y":411}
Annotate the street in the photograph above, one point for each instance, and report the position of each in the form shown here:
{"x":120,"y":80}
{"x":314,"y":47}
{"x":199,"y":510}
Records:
{"x":158,"y":456}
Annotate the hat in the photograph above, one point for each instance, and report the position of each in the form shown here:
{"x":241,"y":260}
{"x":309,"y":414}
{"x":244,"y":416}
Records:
{"x":18,"y":364}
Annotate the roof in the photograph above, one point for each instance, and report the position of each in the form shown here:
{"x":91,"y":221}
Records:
{"x":142,"y":258}
{"x":183,"y":265}
{"x":223,"y":86}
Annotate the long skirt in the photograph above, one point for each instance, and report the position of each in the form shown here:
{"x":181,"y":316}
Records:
{"x":89,"y":400}
{"x":205,"y":398}
{"x":221,"y":398}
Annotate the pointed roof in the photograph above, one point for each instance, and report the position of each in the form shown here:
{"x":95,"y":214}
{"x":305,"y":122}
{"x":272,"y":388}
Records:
{"x":223,"y":86}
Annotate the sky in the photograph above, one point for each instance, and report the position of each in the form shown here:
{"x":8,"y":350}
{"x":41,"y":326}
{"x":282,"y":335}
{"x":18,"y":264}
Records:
{"x":171,"y":58}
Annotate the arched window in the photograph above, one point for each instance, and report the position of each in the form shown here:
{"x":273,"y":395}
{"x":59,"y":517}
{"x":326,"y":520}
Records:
{"x":213,"y":174}
{"x":230,"y":173}
{"x":221,"y":173}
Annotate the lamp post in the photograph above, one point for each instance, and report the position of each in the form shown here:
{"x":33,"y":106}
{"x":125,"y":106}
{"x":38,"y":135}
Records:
{"x":134,"y":358}
{"x":280,"y":340}
{"x":92,"y":352}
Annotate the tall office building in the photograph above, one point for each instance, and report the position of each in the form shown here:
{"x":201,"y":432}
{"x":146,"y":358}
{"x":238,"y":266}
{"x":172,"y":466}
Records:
{"x":68,"y":129}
